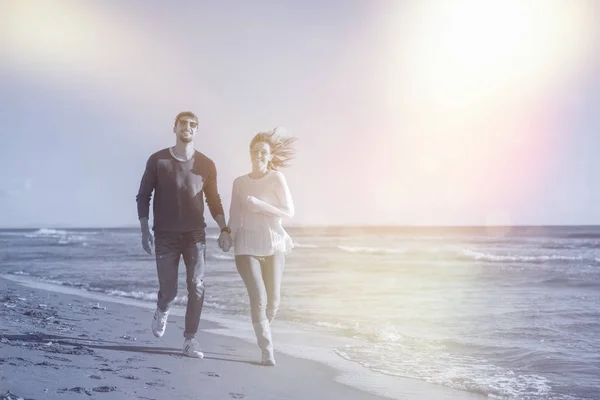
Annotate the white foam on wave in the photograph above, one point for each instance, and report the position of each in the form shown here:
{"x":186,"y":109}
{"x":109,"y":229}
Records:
{"x":305,"y":246}
{"x":222,"y":257}
{"x":149,"y":296}
{"x":434,"y":364}
{"x":62,"y":237}
{"x":301,"y":341}
{"x":480,"y":256}
{"x":46,"y":232}
{"x":383,"y":349}
{"x":144,"y":296}
{"x":329,"y":325}
{"x":371,"y":250}
{"x":368,"y":332}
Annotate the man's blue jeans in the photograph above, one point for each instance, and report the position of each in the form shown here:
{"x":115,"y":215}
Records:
{"x":169,"y":247}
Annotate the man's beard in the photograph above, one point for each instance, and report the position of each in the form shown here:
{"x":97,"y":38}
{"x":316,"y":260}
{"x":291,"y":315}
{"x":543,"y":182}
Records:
{"x":186,"y":138}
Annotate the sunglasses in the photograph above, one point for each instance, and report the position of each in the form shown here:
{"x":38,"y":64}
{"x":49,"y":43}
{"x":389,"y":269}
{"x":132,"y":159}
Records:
{"x":192,"y":124}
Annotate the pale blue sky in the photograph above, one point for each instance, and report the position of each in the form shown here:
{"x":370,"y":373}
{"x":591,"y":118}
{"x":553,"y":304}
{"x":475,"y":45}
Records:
{"x":404,"y":117}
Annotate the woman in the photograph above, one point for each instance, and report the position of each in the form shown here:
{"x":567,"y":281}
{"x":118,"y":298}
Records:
{"x":259,"y":201}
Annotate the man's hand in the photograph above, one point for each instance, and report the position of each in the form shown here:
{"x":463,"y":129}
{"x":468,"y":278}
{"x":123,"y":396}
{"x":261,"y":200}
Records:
{"x":147,"y":241}
{"x":225,"y":241}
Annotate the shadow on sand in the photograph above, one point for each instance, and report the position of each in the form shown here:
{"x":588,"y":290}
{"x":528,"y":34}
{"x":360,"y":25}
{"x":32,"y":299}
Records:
{"x":107,"y":345}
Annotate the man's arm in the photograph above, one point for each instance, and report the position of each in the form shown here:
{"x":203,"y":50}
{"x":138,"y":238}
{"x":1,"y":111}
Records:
{"x":147,"y":186}
{"x":220,"y":220}
{"x":213,"y":199}
{"x":216,"y":207}
{"x":145,"y":190}
{"x":144,"y":224}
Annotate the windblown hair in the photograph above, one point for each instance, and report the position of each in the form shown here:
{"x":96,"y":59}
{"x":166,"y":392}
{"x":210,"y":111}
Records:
{"x":281,"y":147}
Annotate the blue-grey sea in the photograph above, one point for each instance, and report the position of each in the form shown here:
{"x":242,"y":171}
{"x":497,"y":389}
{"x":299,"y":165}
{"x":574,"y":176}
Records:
{"x":512,"y":313}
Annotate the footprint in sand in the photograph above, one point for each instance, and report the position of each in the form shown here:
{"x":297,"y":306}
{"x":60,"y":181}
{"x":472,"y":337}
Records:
{"x":133,"y":359}
{"x":237,"y":395}
{"x":210,"y":373}
{"x":76,"y":390}
{"x":46,"y":364}
{"x":159,"y":370}
{"x":104,"y":389}
{"x":155,"y":384}
{"x":130,"y":377}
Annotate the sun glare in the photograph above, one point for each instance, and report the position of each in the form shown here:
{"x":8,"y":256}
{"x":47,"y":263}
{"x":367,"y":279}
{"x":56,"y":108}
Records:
{"x":461,"y":53}
{"x":47,"y":35}
{"x":473,"y":85}
{"x":59,"y":43}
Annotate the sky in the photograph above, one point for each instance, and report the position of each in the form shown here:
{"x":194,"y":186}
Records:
{"x":407,"y":113}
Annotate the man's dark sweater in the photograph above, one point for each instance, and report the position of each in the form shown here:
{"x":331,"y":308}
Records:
{"x":179,"y":188}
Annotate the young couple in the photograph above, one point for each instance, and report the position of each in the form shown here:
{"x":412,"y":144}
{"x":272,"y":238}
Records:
{"x":180,"y":178}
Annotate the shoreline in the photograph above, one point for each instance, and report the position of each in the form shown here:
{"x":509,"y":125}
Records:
{"x":337,"y":376}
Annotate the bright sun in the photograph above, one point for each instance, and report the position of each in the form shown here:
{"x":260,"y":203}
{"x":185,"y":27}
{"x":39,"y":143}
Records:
{"x":463,"y":52}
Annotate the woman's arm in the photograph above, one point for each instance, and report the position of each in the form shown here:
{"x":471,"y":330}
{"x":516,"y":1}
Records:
{"x":286,"y":207}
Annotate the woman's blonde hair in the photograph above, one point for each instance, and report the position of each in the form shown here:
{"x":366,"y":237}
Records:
{"x":280,"y":145}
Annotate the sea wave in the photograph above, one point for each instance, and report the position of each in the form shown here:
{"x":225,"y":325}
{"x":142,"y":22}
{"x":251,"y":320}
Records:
{"x":467,"y":254}
{"x":139,"y":295}
{"x":433,"y":363}
{"x":305,"y":245}
{"x":482,"y":256}
{"x":62,"y":237}
{"x":578,"y":282}
{"x":46,"y":232}
{"x":498,"y":371}
{"x":583,"y":236}
{"x":221,"y":257}
{"x":371,"y":250}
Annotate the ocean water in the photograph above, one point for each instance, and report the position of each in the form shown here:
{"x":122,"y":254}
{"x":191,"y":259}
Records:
{"x":511,"y":313}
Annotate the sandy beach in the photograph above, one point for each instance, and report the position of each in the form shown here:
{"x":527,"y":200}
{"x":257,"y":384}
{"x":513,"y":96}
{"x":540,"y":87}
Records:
{"x":63,"y":345}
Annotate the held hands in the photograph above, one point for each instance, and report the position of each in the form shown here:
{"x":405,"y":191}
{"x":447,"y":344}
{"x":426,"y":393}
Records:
{"x":225,"y":241}
{"x":147,"y":241}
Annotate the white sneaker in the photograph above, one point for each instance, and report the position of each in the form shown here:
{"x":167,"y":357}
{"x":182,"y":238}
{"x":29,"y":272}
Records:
{"x":265,"y":342}
{"x":159,"y":322}
{"x":268,"y":358}
{"x":191,"y":348}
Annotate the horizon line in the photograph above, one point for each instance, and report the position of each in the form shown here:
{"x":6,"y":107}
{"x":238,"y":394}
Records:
{"x":304,"y":226}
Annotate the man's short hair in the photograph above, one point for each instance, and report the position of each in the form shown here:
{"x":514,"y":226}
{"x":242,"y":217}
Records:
{"x":185,"y":114}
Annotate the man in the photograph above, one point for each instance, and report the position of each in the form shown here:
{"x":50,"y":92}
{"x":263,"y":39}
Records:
{"x":180,"y":176}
